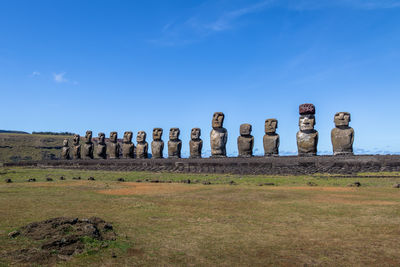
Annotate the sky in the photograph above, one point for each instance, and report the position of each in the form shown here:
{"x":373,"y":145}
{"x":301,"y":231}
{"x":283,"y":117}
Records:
{"x":74,"y":65}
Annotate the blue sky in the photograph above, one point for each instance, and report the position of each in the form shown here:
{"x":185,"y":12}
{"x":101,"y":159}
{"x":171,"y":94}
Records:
{"x":134,"y":65}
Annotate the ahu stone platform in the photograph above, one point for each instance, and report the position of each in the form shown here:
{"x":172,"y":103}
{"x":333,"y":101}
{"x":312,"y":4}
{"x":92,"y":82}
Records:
{"x":285,"y":165}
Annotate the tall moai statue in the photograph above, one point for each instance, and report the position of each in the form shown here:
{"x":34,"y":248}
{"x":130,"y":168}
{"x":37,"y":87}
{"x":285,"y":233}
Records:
{"x":271,"y":138}
{"x":128,"y":148}
{"x":245,"y":141}
{"x":307,"y":137}
{"x":195,"y":143}
{"x":114,"y":148}
{"x":157,"y":145}
{"x":142,"y":147}
{"x":65,"y":150}
{"x":88,"y":146}
{"x":76,"y":148}
{"x":218,"y":136}
{"x":101,"y":149}
{"x":342,"y":135}
{"x":174,"y":143}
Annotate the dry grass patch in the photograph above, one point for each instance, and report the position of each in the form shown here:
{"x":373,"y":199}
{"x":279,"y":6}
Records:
{"x":131,"y":188}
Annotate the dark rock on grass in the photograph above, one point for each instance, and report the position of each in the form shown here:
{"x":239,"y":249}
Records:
{"x":232,"y":183}
{"x":8,"y":181}
{"x":355,"y":184}
{"x":76,"y":178}
{"x":31,"y":180}
{"x":91,"y":178}
{"x":261,"y":184}
{"x":13,"y":234}
{"x":186,"y":181}
{"x":396,"y":186}
{"x":121,"y":180}
{"x":154,"y":181}
{"x":49,"y":179}
{"x":138,"y":181}
{"x":62,"y":178}
{"x":206,"y":183}
{"x":168,"y":182}
{"x":311,"y":184}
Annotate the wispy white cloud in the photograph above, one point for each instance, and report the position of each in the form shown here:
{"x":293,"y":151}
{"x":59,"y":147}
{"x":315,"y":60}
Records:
{"x":59,"y":77}
{"x":34,"y":74}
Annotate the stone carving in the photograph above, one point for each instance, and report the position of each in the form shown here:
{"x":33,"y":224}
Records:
{"x":157,"y":145}
{"x":195,"y":143}
{"x":342,"y":136}
{"x":76,"y":149}
{"x":101,"y":149}
{"x":88,"y":146}
{"x":114,"y":147}
{"x":307,"y":137}
{"x":174,"y":143}
{"x":65,"y":150}
{"x":245,"y":141}
{"x":218,"y":136}
{"x":128,"y":148}
{"x":142,"y":146}
{"x":271,"y":138}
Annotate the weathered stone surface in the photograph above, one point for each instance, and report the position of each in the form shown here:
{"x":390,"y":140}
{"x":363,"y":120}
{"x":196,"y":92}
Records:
{"x":195,"y":143}
{"x":245,"y":141}
{"x":128,"y":148}
{"x":88,"y":146}
{"x":157,"y":145}
{"x":342,"y":136}
{"x":218,"y":136}
{"x":65,"y":150}
{"x":101,"y":148}
{"x":271,"y":138}
{"x":307,"y":137}
{"x":174,"y":143}
{"x":142,"y":147}
{"x":76,"y":149}
{"x":114,"y":149}
{"x":307,"y":109}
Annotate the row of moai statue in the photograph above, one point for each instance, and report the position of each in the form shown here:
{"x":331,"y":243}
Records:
{"x":342,"y":137}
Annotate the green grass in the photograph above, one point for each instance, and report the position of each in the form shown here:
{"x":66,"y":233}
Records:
{"x":214,"y":225}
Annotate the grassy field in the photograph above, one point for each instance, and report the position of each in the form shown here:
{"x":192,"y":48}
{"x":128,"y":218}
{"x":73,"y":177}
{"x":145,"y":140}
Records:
{"x":231,"y":222}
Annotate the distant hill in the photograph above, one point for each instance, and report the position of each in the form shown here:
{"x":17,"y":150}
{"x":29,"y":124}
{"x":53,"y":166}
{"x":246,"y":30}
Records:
{"x":8,"y":131}
{"x":53,"y":133}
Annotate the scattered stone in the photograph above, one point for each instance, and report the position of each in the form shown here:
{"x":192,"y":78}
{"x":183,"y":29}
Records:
{"x":261,"y":184}
{"x":114,"y":255}
{"x":186,"y":181}
{"x":355,"y":184}
{"x":13,"y":234}
{"x":396,"y":186}
{"x":232,"y":183}
{"x":206,"y":183}
{"x":139,"y":181}
{"x":146,"y":180}
{"x":311,"y":184}
{"x":31,"y":180}
{"x":121,"y":180}
{"x":62,"y":178}
{"x":91,"y":178}
{"x":154,"y":181}
{"x":8,"y":180}
{"x":169,"y":181}
{"x":48,"y":179}
{"x":76,"y":178}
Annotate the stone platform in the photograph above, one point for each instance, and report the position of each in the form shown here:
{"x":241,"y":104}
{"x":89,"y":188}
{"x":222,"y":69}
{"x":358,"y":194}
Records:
{"x":285,"y":165}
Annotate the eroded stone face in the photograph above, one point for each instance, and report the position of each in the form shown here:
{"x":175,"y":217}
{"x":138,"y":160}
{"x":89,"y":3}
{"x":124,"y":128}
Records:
{"x":271,"y":125}
{"x":218,"y":120}
{"x":157,"y":145}
{"x":142,"y":146}
{"x":65,"y":150}
{"x":195,"y":143}
{"x":218,"y":136}
{"x":174,"y":134}
{"x":128,"y":147}
{"x":245,"y":141}
{"x":271,"y":138}
{"x":88,"y":146}
{"x":88,"y":137}
{"x":174,"y":143}
{"x":101,"y":149}
{"x":306,"y":122}
{"x":307,"y":137}
{"x":113,"y":137}
{"x":76,"y":139}
{"x":342,"y":136}
{"x":114,"y":148}
{"x":76,"y":149}
{"x":157,"y":134}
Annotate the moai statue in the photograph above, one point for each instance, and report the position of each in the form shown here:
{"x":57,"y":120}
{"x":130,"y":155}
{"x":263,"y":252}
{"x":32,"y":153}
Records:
{"x":174,"y":143}
{"x":271,"y":138}
{"x":101,"y":149}
{"x":65,"y":150}
{"x":195,"y":143}
{"x":307,"y":137}
{"x":245,"y":141}
{"x":342,"y":136}
{"x":114,"y":147}
{"x":157,"y":145}
{"x":88,"y":146}
{"x":218,"y":136}
{"x":76,"y":149}
{"x":142,"y":147}
{"x":128,"y":148}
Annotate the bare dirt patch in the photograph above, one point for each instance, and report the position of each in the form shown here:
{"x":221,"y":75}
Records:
{"x":315,"y":188}
{"x":131,"y":188}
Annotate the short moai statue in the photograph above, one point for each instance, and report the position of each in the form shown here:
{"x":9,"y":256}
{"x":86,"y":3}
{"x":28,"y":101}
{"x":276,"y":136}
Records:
{"x":307,"y":137}
{"x":76,"y":148}
{"x":245,"y":141}
{"x":101,"y":149}
{"x":114,"y":149}
{"x":342,"y":135}
{"x":128,"y":148}
{"x":195,"y":143}
{"x":271,"y":138}
{"x":142,"y":146}
{"x":65,"y":150}
{"x":157,"y":145}
{"x":88,"y":146}
{"x":174,"y":143}
{"x":218,"y":136}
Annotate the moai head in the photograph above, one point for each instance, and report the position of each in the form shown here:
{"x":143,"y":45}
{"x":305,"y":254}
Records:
{"x":218,"y":120}
{"x":271,"y":125}
{"x":195,"y":134}
{"x":141,"y":137}
{"x":307,"y":118}
{"x":245,"y":129}
{"x":88,"y":137}
{"x":174,"y":134}
{"x":113,"y":137}
{"x":157,"y":134}
{"x":102,"y":138}
{"x":65,"y":143}
{"x":127,"y":137}
{"x":77,"y":138}
{"x":342,"y":119}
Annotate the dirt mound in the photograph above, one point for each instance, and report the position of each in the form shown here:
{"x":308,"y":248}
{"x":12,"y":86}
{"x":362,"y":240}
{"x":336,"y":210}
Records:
{"x":60,"y":238}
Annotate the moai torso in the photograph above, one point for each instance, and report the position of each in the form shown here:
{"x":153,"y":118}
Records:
{"x":76,"y":148}
{"x":65,"y":150}
{"x":101,"y":148}
{"x":245,"y":141}
{"x":114,"y":148}
{"x":195,"y":143}
{"x":271,"y":138}
{"x":218,"y":136}
{"x":142,"y":146}
{"x":342,"y":136}
{"x":128,"y":147}
{"x":174,"y":143}
{"x":88,"y":146}
{"x":157,"y":145}
{"x":307,"y":137}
